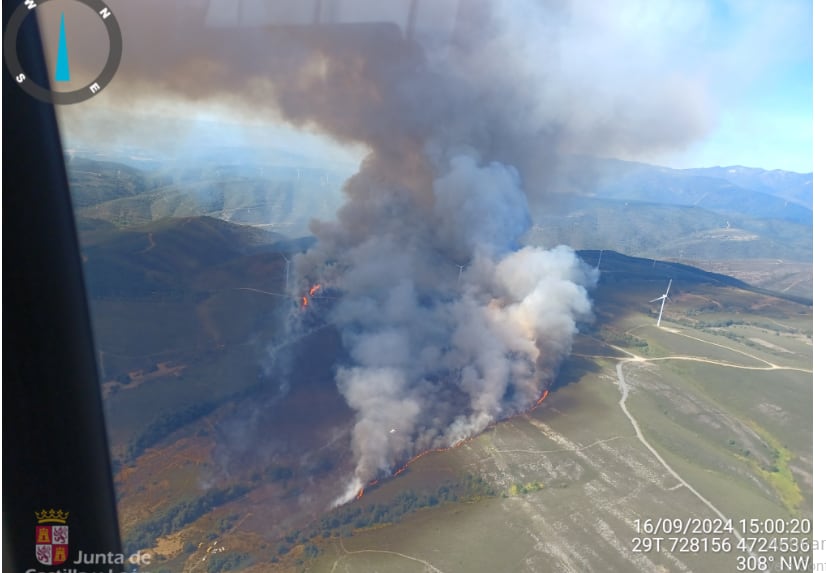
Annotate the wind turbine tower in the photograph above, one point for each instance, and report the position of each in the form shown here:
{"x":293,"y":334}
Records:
{"x":662,"y":298}
{"x":461,"y":268}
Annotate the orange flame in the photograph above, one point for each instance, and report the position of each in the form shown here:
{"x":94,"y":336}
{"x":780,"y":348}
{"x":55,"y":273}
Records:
{"x":538,"y":402}
{"x":360,"y":494}
{"x":423,"y":454}
{"x":407,"y":464}
{"x":305,"y":299}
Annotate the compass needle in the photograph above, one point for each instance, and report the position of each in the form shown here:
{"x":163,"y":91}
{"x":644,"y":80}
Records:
{"x":62,"y":73}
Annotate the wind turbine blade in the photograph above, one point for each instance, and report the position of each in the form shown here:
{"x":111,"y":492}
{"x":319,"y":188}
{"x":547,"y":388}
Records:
{"x":669,"y":287}
{"x":658,"y":298}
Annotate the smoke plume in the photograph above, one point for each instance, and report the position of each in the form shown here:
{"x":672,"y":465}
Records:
{"x":449,"y":322}
{"x":438,"y":352}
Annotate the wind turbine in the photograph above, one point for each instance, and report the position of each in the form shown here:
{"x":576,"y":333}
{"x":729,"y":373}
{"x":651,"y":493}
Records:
{"x":662,"y":298}
{"x":461,"y":268}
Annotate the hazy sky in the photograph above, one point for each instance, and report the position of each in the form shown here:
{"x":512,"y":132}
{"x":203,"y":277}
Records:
{"x":741,"y":68}
{"x":759,"y":58}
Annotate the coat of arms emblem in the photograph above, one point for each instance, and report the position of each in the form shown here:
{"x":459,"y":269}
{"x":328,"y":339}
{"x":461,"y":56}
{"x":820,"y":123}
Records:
{"x":51,"y":537}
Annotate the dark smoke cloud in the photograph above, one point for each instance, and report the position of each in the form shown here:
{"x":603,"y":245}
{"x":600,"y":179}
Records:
{"x":518,"y":81}
{"x":463,"y":130}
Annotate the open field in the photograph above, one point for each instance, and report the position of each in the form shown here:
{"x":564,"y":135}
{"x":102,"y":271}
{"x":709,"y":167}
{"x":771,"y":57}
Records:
{"x":778,"y":275}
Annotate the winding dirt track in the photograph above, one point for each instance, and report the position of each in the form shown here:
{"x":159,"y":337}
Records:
{"x":623,"y":387}
{"x":624,"y":395}
{"x":347,"y":552}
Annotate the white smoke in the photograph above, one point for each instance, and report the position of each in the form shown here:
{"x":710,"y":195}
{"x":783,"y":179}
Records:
{"x":437,"y":354}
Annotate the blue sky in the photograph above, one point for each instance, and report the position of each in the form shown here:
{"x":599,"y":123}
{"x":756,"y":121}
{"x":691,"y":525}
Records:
{"x":757,"y":57}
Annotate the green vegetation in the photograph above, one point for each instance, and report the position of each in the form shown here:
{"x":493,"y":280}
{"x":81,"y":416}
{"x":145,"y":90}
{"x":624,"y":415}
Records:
{"x":227,"y":523}
{"x":179,"y":515}
{"x":227,"y":561}
{"x":347,"y":519}
{"x":624,"y":339}
{"x":164,"y":425}
{"x":779,"y":474}
{"x":522,"y":489}
{"x":167,"y":423}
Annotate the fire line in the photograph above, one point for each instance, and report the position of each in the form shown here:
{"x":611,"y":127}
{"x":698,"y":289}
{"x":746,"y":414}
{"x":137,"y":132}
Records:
{"x":420,"y":455}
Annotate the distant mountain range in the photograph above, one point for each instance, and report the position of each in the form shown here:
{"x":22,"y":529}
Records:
{"x":738,"y":191}
{"x":273,"y":197}
{"x":661,"y":230}
{"x":699,"y":216}
{"x":787,"y":185}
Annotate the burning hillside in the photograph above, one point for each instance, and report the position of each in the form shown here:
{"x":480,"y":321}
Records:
{"x":448,"y":321}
